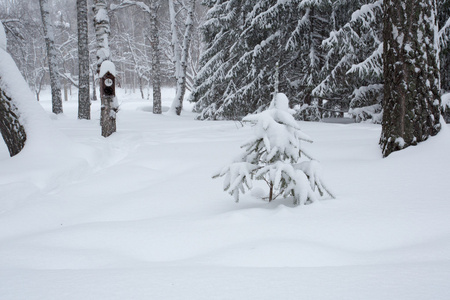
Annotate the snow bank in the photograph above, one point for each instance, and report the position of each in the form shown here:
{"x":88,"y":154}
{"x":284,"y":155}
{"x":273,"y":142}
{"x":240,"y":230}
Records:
{"x":149,"y":222}
{"x":45,"y":144}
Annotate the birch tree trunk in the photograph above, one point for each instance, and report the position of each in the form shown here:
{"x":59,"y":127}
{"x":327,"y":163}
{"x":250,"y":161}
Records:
{"x":102,"y":31}
{"x":181,"y":52}
{"x":52,"y":60}
{"x":156,"y":60}
{"x":411,"y":74}
{"x":84,"y":103}
{"x":94,"y":94}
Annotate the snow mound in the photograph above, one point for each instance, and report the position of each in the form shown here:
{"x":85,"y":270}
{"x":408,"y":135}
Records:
{"x":48,"y":155}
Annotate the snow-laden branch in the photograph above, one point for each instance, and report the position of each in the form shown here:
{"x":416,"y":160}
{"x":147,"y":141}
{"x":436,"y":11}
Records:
{"x":319,"y":90}
{"x":128,"y":3}
{"x":371,"y":65}
{"x":68,"y":77}
{"x":444,"y":33}
{"x":302,"y":23}
{"x":367,"y":13}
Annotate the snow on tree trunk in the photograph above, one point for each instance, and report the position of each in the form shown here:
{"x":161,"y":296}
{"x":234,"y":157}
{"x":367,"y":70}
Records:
{"x":181,"y":53}
{"x":411,"y":74}
{"x":52,"y":60}
{"x":12,"y":130}
{"x":84,"y":103}
{"x":104,"y":66}
{"x":102,"y":31}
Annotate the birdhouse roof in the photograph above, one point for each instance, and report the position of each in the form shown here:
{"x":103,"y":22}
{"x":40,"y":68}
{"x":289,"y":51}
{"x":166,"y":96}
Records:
{"x":107,"y":67}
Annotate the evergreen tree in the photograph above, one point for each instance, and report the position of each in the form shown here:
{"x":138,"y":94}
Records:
{"x":273,"y":155}
{"x":306,"y":40}
{"x":353,"y":70}
{"x":221,"y":30}
{"x":411,"y":72}
{"x":245,"y":39}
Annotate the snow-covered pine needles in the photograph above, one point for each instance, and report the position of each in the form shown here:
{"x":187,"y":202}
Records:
{"x":274,"y":156}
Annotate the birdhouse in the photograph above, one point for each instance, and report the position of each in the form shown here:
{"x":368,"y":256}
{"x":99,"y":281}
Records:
{"x":108,"y":84}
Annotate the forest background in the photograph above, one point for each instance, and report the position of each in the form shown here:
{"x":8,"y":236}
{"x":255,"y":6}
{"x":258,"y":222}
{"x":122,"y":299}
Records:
{"x":329,"y":53}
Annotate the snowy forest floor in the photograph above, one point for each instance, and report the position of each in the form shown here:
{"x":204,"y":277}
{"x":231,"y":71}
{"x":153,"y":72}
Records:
{"x":137,"y":215}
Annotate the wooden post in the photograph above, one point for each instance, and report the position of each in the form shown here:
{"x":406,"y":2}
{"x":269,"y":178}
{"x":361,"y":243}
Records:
{"x":108,"y":98}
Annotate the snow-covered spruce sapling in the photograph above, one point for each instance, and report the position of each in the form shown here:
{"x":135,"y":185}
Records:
{"x":274,"y":155}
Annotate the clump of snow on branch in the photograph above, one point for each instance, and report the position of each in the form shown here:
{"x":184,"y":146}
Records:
{"x":274,"y":156}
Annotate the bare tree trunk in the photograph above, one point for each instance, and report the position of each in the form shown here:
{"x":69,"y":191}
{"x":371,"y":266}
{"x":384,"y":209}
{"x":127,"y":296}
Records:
{"x":52,"y":61}
{"x":84,"y":103}
{"x":156,"y":62}
{"x":94,"y":93}
{"x":66,"y":92}
{"x":411,"y":74}
{"x":141,"y":88}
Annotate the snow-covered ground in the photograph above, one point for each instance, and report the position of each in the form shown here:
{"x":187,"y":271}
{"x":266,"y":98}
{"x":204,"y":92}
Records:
{"x":137,"y":215}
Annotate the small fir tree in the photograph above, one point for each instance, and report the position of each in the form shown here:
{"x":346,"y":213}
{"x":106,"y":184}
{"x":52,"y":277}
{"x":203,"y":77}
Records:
{"x":273,"y":155}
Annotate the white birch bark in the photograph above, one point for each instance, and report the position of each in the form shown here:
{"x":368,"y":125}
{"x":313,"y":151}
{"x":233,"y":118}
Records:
{"x":102,"y":31}
{"x":156,"y":61}
{"x":52,"y":60}
{"x":180,"y":53}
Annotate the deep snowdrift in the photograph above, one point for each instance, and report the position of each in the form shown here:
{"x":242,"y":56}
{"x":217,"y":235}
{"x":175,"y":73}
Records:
{"x":137,"y":216}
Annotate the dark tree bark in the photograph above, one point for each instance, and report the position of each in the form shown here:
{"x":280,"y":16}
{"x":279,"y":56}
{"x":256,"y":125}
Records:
{"x":411,"y":73}
{"x":109,"y":105}
{"x":84,"y":103}
{"x":52,"y":60}
{"x":12,"y":130}
{"x":443,"y":16}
